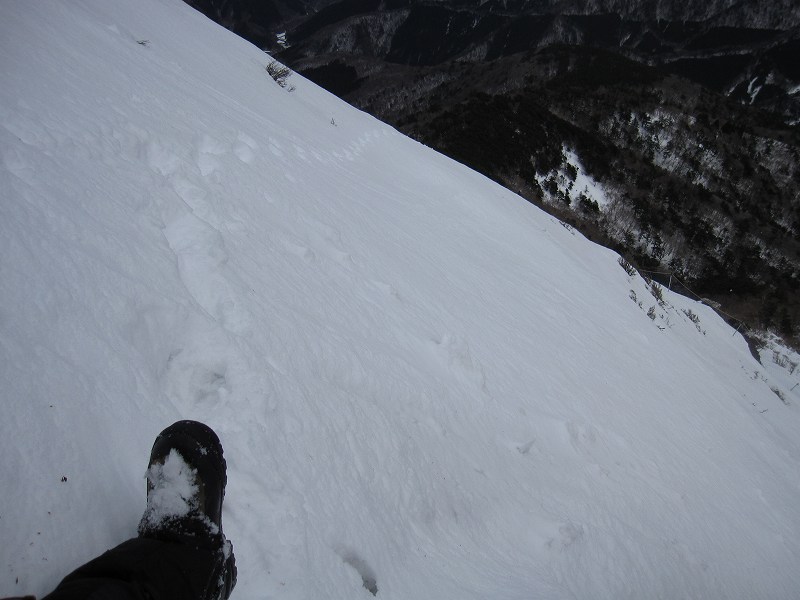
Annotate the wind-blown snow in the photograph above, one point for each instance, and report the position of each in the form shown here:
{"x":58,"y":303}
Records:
{"x":425,"y":387}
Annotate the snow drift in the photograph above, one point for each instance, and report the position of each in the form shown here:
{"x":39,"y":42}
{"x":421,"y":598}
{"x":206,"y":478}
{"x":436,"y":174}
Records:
{"x":426,"y":387}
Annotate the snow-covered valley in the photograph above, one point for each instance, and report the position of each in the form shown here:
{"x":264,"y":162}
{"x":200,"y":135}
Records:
{"x":425,"y":386}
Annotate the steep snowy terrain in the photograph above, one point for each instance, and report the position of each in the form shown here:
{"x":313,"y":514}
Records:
{"x":426,"y":387}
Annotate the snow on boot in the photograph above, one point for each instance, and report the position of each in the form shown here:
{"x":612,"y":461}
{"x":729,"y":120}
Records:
{"x":186,"y":480}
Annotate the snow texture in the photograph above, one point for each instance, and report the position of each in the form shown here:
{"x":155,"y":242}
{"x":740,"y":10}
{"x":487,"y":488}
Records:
{"x":425,"y":387}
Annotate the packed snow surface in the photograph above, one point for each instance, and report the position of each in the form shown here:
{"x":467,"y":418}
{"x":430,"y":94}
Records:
{"x":425,"y":387}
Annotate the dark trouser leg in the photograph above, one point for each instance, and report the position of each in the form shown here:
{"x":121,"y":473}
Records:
{"x":149,"y":569}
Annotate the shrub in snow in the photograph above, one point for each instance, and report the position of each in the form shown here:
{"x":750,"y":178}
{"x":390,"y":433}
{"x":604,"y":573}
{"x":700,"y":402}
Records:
{"x":629,"y":268}
{"x":587,"y":204}
{"x":279,"y":72}
{"x":692,"y":316}
{"x":657,"y":292}
{"x":572,"y":171}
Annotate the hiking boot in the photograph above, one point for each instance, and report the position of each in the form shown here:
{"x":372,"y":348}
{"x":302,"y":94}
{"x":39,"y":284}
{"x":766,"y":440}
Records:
{"x":186,"y":480}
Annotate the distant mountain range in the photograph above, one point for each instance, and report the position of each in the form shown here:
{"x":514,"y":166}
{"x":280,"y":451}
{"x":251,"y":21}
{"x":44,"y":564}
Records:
{"x":665,"y":130}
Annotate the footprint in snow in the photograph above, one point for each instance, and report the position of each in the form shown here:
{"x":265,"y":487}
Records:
{"x":196,"y":380}
{"x":300,"y":250}
{"x":207,"y":152}
{"x":161,"y":158}
{"x":361,"y":567}
{"x":568,"y":534}
{"x":245,"y":148}
{"x":386,"y":288}
{"x":457,"y":352}
{"x":194,"y":196}
{"x":202,"y":257}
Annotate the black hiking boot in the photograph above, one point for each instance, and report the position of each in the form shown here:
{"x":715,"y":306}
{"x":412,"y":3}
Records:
{"x":186,"y":480}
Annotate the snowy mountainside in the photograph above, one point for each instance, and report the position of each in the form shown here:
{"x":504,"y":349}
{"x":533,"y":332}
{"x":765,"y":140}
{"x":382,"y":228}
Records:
{"x":425,"y":386}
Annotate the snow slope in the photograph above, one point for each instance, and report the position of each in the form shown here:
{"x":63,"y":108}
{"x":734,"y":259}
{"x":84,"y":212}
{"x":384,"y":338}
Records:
{"x":424,"y":385}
